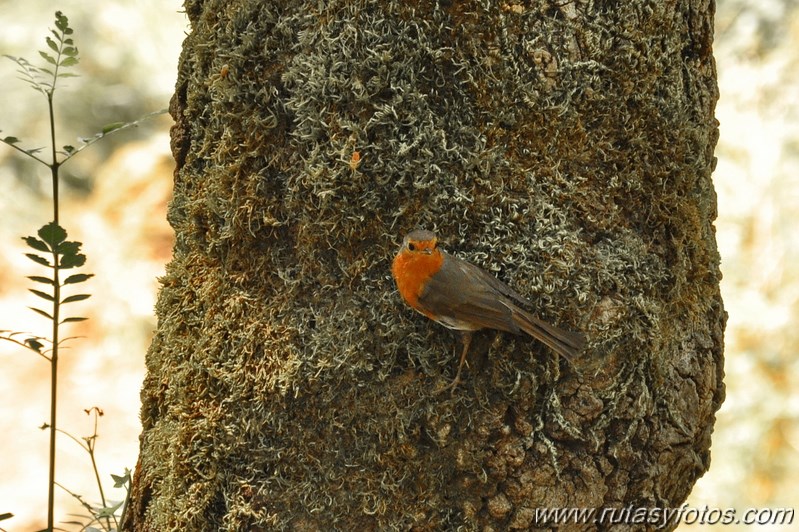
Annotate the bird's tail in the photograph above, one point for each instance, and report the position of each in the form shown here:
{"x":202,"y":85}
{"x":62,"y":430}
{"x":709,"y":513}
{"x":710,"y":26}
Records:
{"x":566,"y":343}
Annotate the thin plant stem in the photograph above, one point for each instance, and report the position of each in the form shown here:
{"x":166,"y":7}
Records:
{"x":53,"y":394}
{"x":56,"y":319}
{"x":55,"y":164}
{"x":90,"y":442}
{"x":87,"y":445}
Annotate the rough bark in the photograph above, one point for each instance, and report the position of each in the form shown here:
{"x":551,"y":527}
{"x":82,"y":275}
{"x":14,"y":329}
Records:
{"x":566,"y":146}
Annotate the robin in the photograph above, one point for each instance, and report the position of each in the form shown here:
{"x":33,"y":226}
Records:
{"x":466,"y":298}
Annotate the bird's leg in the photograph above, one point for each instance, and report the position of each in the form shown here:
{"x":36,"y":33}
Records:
{"x":466,"y":339}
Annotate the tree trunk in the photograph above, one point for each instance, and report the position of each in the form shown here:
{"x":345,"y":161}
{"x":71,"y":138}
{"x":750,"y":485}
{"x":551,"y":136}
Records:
{"x":565,"y":146}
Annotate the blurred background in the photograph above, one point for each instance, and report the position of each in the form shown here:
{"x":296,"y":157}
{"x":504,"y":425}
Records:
{"x":114,"y":201}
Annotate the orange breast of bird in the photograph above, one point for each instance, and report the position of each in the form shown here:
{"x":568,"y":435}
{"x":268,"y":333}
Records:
{"x":412,"y":272}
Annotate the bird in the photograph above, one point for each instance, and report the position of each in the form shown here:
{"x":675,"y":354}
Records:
{"x":462,"y":296}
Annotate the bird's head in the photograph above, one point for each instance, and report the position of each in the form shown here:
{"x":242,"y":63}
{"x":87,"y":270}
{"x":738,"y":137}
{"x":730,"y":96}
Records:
{"x":419,"y":242}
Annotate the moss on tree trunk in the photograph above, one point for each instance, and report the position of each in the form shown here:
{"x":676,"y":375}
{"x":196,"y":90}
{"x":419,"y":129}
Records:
{"x":566,"y":146}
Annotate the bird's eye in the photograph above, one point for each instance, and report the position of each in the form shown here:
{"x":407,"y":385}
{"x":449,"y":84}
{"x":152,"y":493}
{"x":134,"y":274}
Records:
{"x":411,"y":246}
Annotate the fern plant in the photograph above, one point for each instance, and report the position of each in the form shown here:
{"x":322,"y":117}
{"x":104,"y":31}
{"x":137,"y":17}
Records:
{"x":61,"y":257}
{"x":57,"y":254}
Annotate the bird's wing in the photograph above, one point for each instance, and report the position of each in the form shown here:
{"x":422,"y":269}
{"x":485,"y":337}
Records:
{"x":461,"y":293}
{"x":495,"y":283}
{"x":463,"y":296}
